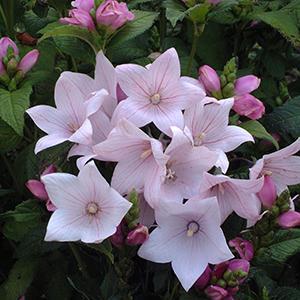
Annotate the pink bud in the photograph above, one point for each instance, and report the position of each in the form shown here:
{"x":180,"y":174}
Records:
{"x":86,"y":5}
{"x":220,"y":269}
{"x":249,"y":106}
{"x":28,"y":61}
{"x":210,"y":79}
{"x":215,"y":292}
{"x":5,"y":42}
{"x":239,"y":265}
{"x":49,"y":170}
{"x":246,"y":85}
{"x":120,"y":94}
{"x":289,"y":219}
{"x":50,"y":206}
{"x":118,"y":239}
{"x":138,"y":235}
{"x":267,"y":194}
{"x":37,"y":188}
{"x":204,"y":279}
{"x":113,"y":14}
{"x":80,"y":18}
{"x":243,"y":247}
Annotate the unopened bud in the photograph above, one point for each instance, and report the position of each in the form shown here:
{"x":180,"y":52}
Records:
{"x":138,"y":235}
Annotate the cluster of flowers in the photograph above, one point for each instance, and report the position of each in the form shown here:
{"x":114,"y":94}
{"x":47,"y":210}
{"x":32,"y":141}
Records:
{"x":12,"y":68}
{"x":168,"y":167}
{"x":110,"y":13}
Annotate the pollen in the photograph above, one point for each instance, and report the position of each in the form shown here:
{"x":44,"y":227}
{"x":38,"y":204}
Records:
{"x":146,"y":154}
{"x":192,"y":228}
{"x":92,"y":208}
{"x":155,"y":99}
{"x":198,"y":139}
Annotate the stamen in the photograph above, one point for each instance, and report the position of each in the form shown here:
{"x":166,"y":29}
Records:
{"x":170,"y":175}
{"x":266,"y":172}
{"x":92,"y":208}
{"x":155,"y":99}
{"x":146,"y":154}
{"x":192,"y":228}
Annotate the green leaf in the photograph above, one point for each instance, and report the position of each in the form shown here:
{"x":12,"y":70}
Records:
{"x":258,"y":130}
{"x":284,"y":20}
{"x":57,"y":30}
{"x":13,"y":106}
{"x":21,"y":220}
{"x":104,"y":248}
{"x":285,"y":119}
{"x":143,"y":21}
{"x":175,"y":11}
{"x":8,"y":137}
{"x":223,"y":14}
{"x":19,"y":279}
{"x":283,"y":293}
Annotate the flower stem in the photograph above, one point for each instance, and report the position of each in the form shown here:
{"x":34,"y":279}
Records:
{"x":4,"y":18}
{"x":197,"y":33}
{"x":81,"y":265}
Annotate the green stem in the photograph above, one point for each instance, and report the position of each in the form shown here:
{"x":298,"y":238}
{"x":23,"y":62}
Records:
{"x":197,"y":32}
{"x":174,"y":290}
{"x":10,"y":171}
{"x":81,"y":265}
{"x":4,"y":18}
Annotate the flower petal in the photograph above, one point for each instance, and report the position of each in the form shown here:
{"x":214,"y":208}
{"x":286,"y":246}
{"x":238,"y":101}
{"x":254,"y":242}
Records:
{"x":50,"y":141}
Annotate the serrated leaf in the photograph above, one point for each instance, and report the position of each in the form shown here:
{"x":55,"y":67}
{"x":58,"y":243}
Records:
{"x":285,"y":119}
{"x":19,"y":279}
{"x":13,"y":106}
{"x":175,"y":11}
{"x":284,"y":20}
{"x":143,"y":21}
{"x":21,"y":220}
{"x":258,"y":130}
{"x":56,"y":30}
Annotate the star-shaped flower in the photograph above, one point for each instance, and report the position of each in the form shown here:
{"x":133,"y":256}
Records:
{"x":208,"y":121}
{"x":88,"y":209}
{"x":156,"y":94}
{"x":282,"y":166}
{"x":189,"y":236}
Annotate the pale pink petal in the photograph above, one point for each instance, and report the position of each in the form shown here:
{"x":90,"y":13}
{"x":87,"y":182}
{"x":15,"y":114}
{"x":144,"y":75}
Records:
{"x":69,"y":98}
{"x":256,"y":170}
{"x":83,"y":135}
{"x":49,"y":119}
{"x":222,"y":162}
{"x":101,"y":126}
{"x":65,"y":226}
{"x":132,"y":80}
{"x":246,"y":84}
{"x":165,"y":70}
{"x":285,"y":152}
{"x":95,"y":101}
{"x":146,"y":215}
{"x":193,"y":81}
{"x":65,"y":191}
{"x":134,"y":111}
{"x":50,"y":141}
{"x":105,"y":75}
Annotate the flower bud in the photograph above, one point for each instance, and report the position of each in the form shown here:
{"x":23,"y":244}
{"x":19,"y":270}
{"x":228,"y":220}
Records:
{"x":49,"y":170}
{"x":249,"y":106}
{"x":228,"y":90}
{"x":118,"y":238}
{"x":28,"y":61}
{"x":240,"y":269}
{"x":246,"y":85}
{"x":215,"y":292}
{"x":113,"y":14}
{"x":37,"y":188}
{"x":289,"y":219}
{"x":204,"y":279}
{"x":243,"y":247}
{"x":268,"y":194}
{"x":80,"y":18}
{"x":2,"y":68}
{"x":138,"y":235}
{"x":5,"y":43}
{"x":12,"y":66}
{"x":86,"y":5}
{"x":210,"y":79}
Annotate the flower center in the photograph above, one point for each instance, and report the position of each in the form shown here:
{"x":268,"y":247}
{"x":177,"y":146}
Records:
{"x":266,"y":172}
{"x":192,"y":228}
{"x":155,"y":99}
{"x":170,"y":175}
{"x":198,"y":139}
{"x":92,"y":208}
